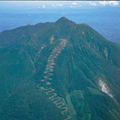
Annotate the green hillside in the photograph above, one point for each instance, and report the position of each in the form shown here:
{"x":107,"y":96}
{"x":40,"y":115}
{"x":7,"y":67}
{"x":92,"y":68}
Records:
{"x":58,"y":71}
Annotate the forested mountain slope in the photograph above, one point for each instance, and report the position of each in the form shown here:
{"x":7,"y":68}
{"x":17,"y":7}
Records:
{"x":58,"y":71}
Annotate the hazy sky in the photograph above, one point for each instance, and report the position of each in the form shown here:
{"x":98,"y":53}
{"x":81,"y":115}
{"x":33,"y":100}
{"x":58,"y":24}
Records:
{"x":57,"y":4}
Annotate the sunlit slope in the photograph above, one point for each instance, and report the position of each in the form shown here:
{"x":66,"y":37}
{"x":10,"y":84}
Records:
{"x":58,"y":71}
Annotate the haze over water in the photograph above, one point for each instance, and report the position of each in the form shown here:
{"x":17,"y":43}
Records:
{"x":106,"y":20}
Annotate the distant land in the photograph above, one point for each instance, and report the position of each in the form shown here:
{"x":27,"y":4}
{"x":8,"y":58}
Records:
{"x":104,"y":20}
{"x":58,"y":71}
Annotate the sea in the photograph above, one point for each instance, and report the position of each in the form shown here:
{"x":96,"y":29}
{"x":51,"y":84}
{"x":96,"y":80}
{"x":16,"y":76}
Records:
{"x":106,"y":20}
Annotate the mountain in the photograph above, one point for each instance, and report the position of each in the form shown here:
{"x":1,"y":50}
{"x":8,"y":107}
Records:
{"x":58,"y":71}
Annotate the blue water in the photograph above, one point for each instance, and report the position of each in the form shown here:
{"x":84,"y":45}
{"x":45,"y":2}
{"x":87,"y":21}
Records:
{"x":105,"y":20}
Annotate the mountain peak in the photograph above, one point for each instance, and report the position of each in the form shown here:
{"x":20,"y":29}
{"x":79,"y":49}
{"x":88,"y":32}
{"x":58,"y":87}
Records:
{"x":64,"y":20}
{"x":69,"y":68}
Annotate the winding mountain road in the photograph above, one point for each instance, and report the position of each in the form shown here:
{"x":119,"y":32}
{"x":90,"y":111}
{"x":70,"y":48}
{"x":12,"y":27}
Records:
{"x":50,"y":92}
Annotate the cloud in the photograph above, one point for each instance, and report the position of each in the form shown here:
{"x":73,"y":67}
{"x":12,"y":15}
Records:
{"x":43,"y":6}
{"x":73,"y":6}
{"x":103,"y":3}
{"x":60,"y":5}
{"x":53,"y":5}
{"x":74,"y":3}
{"x":92,"y":3}
{"x":111,"y":3}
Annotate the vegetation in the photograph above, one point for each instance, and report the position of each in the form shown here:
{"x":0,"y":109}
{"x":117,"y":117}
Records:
{"x":86,"y":58}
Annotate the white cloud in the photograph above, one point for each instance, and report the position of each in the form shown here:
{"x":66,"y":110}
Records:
{"x":74,"y":3}
{"x":60,"y":5}
{"x":73,"y":6}
{"x":43,"y":6}
{"x":53,"y":5}
{"x":92,"y":3}
{"x":103,"y":3}
{"x":111,"y":3}
{"x":80,"y":5}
